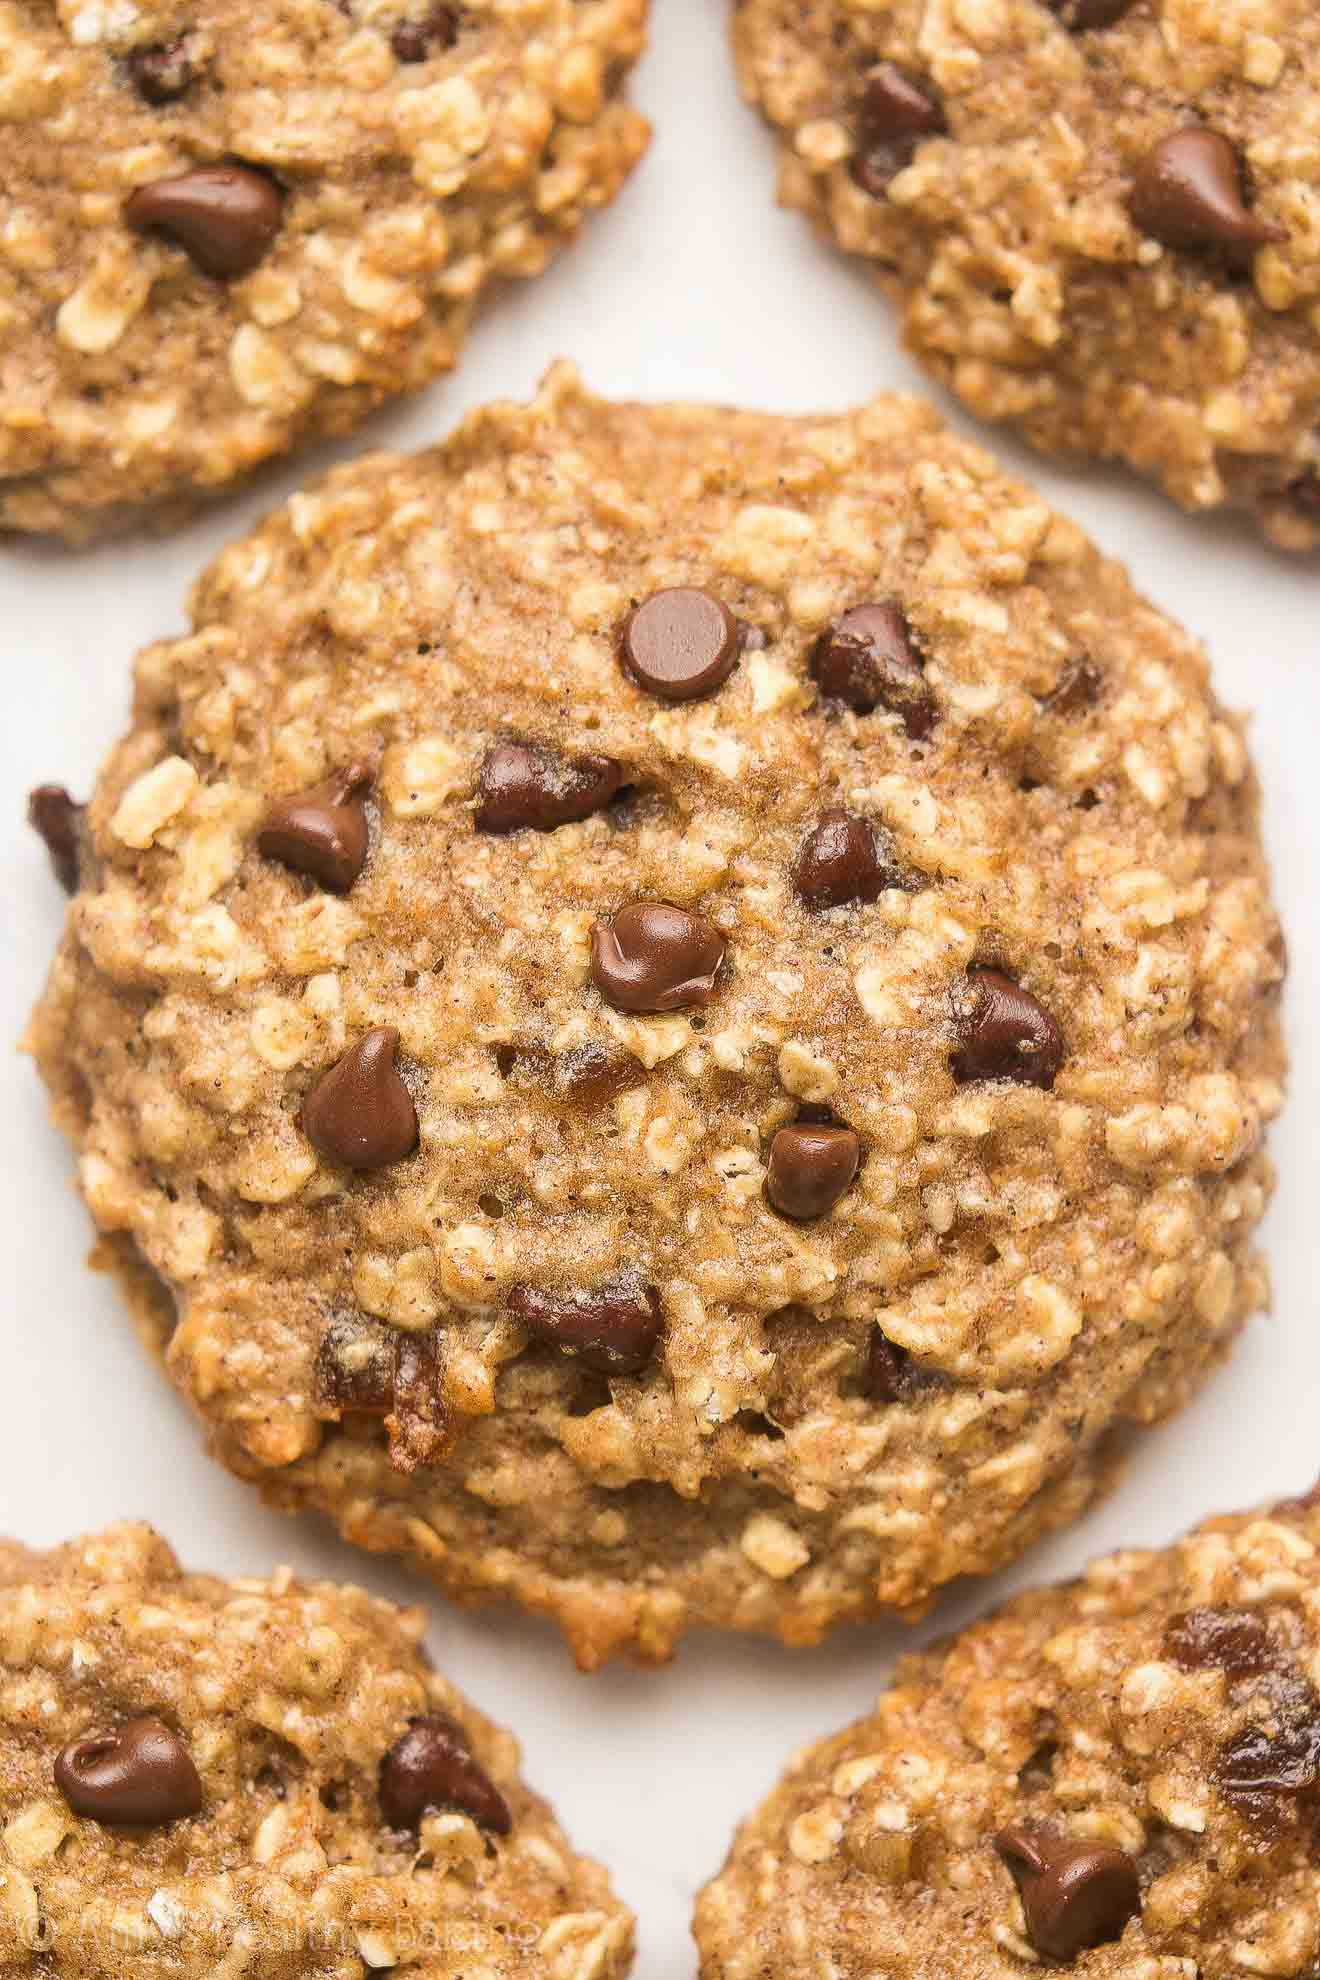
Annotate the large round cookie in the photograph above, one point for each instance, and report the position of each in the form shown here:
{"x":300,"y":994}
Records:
{"x":202,"y":1779}
{"x":1118,"y":1776}
{"x":228,"y":230}
{"x":734,"y":1157}
{"x":1096,"y":215}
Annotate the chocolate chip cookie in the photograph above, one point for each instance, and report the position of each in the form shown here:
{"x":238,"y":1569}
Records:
{"x":202,"y":1778}
{"x":671,"y":1012}
{"x":1118,"y":1776}
{"x":1096,"y":217}
{"x":227,"y":233}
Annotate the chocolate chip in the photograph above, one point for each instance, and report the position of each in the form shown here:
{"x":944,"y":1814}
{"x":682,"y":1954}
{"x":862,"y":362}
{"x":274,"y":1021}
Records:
{"x":680,"y":644}
{"x":653,"y":957}
{"x":1304,"y":494}
{"x":841,"y":860}
{"x":1003,"y":1033}
{"x":224,"y":216}
{"x":1188,"y":193}
{"x":525,"y":786}
{"x":868,"y":659}
{"x":164,"y":73}
{"x":612,"y":1329}
{"x":894,"y":115}
{"x":360,"y":1112}
{"x":365,"y":1369}
{"x":322,"y":832}
{"x":140,"y":1774}
{"x":54,"y":815}
{"x":431,"y":1767}
{"x":1265,"y":1774}
{"x":588,"y":1075}
{"x":1077,"y":689}
{"x":1074,"y":1894}
{"x":810,"y":1168}
{"x":417,"y":41}
{"x":1078,"y":15}
{"x":1232,"y":1640}
{"x":891,"y":1375}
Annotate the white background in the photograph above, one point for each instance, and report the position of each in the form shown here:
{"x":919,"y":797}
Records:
{"x":693,"y":285}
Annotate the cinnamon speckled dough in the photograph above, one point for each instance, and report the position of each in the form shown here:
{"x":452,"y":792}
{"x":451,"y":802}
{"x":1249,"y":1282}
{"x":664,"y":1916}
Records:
{"x":1057,"y":1263}
{"x":1125,"y":1710}
{"x":1022,"y":280}
{"x":286,"y":1696}
{"x":133,"y":384}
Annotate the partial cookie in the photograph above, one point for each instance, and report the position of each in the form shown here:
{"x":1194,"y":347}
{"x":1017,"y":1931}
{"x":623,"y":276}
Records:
{"x":231,"y":230}
{"x":201,"y":1778}
{"x":1119,"y":1775}
{"x":1096,"y":216}
{"x":672,"y":1011}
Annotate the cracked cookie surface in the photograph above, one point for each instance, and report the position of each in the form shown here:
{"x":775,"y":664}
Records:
{"x":736,"y":1158}
{"x":1118,"y":1776}
{"x":229,"y":232}
{"x":1096,"y":218}
{"x":202,"y":1777}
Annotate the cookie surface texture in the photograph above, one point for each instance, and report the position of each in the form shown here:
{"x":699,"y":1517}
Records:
{"x":735,"y":1157}
{"x":1092,"y":216}
{"x":230,"y":233}
{"x":1111,"y":1777}
{"x":202,"y":1776}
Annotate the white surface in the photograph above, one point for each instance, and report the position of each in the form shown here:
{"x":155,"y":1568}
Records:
{"x":693,"y":285}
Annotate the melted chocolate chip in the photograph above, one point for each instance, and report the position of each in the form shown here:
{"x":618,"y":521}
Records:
{"x":588,"y":1075}
{"x":365,"y":1369}
{"x":1304,"y":494}
{"x":360,"y":1112}
{"x":139,"y":1774}
{"x":841,"y":860}
{"x":653,"y":957}
{"x":1188,"y":193}
{"x":417,"y":41}
{"x":895,"y":113}
{"x":1003,"y":1033}
{"x":524,"y":786}
{"x":810,"y":1168}
{"x":1078,"y":15}
{"x":1077,"y":689}
{"x":868,"y":659}
{"x":612,"y":1329}
{"x":54,"y":815}
{"x":164,"y":73}
{"x":891,"y":1374}
{"x":322,"y":832}
{"x":1264,"y":1775}
{"x":223,"y":216}
{"x":1232,"y":1640}
{"x":1074,"y":1894}
{"x":680,"y":644}
{"x":431,"y":1767}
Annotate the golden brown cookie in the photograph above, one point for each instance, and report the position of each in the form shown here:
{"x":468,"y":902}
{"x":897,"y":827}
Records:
{"x":201,"y":1778}
{"x":1094,"y":215}
{"x":230,"y":230}
{"x":671,"y":1012}
{"x":1118,"y":1776}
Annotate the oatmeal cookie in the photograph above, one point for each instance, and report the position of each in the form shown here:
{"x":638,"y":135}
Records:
{"x":226,"y":234}
{"x":1119,"y":1775}
{"x":201,"y":1778}
{"x":672,"y":1011}
{"x":1097,"y":217}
